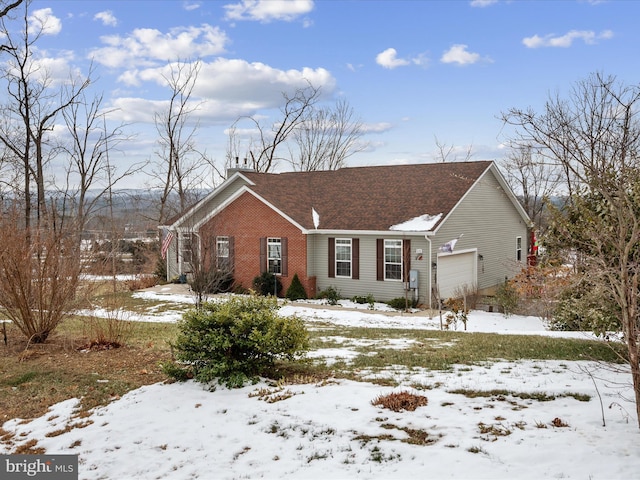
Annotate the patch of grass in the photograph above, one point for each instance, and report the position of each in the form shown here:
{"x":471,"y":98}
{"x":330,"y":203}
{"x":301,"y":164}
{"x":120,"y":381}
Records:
{"x":441,"y":350}
{"x":501,"y":393}
{"x":399,"y":401}
{"x":476,"y":449}
{"x":34,"y":378}
{"x":493,"y":431}
{"x":24,"y":378}
{"x":415,"y":436}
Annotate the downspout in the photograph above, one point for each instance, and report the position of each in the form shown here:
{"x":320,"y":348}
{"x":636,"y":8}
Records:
{"x":429,"y":267}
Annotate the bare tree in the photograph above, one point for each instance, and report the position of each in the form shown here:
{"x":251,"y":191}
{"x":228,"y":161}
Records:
{"x":594,"y":135}
{"x":326,"y":138}
{"x":534,"y":179}
{"x":87,"y":152}
{"x":39,"y":272}
{"x":33,"y":105}
{"x":448,"y":153}
{"x":39,"y":263}
{"x":211,"y":268}
{"x":263,"y":151}
{"x":179,"y":167}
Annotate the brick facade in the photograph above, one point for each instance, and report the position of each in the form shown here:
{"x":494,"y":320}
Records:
{"x":247,"y":220}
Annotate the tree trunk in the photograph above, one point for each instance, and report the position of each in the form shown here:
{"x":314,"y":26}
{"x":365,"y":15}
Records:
{"x":634,"y":363}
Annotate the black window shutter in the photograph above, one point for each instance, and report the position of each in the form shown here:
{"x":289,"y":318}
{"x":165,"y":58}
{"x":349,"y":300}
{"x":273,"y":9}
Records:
{"x":263,"y":254}
{"x":406,"y":259}
{"x":213,"y":251}
{"x":332,"y":257}
{"x":285,"y":256}
{"x":232,"y":251}
{"x":355,"y":258}
{"x":379,"y":259}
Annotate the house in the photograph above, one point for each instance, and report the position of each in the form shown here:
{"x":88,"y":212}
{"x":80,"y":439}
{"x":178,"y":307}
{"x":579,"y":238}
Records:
{"x":430,"y":228}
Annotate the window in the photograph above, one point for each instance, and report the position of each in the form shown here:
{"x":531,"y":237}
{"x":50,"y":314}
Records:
{"x":343,"y":257}
{"x":222,"y":253}
{"x":519,"y":249}
{"x":274,"y":255}
{"x":186,"y":247}
{"x":393,"y":259}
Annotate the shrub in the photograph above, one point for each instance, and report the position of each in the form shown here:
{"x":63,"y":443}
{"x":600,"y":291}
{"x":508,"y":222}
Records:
{"x":331,"y":294}
{"x":401,"y":303}
{"x":507,"y":298}
{"x":265,"y":282}
{"x":235,"y":341}
{"x":586,"y":307}
{"x":398,"y":401}
{"x":296,"y":291}
{"x":362,"y":299}
{"x":459,"y":312}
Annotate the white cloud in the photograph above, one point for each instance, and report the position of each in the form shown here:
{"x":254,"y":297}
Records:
{"x":107,"y":18}
{"x":458,"y":54}
{"x":228,"y":89}
{"x":45,"y":22}
{"x":189,"y":6}
{"x":483,"y":3}
{"x":379,"y":127}
{"x":388,"y":59}
{"x":54,"y":71}
{"x":268,"y":10}
{"x":587,"y":36}
{"x":146,"y":46}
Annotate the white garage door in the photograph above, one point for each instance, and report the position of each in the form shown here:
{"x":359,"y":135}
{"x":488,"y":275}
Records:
{"x":454,"y":271}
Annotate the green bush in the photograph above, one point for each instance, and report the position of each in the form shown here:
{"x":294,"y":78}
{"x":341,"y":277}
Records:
{"x":507,"y":298}
{"x":586,"y":307}
{"x":296,"y":291}
{"x":234,"y":342}
{"x":265,"y":282}
{"x":331,"y":294}
{"x":401,"y":303}
{"x":362,"y":299}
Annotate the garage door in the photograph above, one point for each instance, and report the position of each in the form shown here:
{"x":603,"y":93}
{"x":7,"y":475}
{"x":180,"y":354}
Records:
{"x":456,"y":270}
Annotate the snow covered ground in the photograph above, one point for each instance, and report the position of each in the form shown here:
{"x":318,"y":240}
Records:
{"x":332,"y":429}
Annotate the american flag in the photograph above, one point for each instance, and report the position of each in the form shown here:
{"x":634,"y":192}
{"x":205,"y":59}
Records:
{"x":168,"y":236}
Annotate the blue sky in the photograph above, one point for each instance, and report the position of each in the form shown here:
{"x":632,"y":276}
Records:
{"x":413,"y":71}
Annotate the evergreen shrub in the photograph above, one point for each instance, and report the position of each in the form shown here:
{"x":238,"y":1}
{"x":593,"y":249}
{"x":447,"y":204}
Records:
{"x":331,"y":294}
{"x":507,"y":298}
{"x":236,"y":341}
{"x":401,"y":303}
{"x":296,"y":291}
{"x":265,"y":282}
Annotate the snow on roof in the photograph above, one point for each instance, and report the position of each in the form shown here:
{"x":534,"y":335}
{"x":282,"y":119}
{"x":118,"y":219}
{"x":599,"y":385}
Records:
{"x":423,"y":223}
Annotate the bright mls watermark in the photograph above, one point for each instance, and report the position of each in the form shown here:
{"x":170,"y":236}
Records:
{"x":49,"y":467}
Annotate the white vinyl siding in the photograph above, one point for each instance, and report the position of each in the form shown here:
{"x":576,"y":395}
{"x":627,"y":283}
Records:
{"x":367,"y":282}
{"x":490,"y":223}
